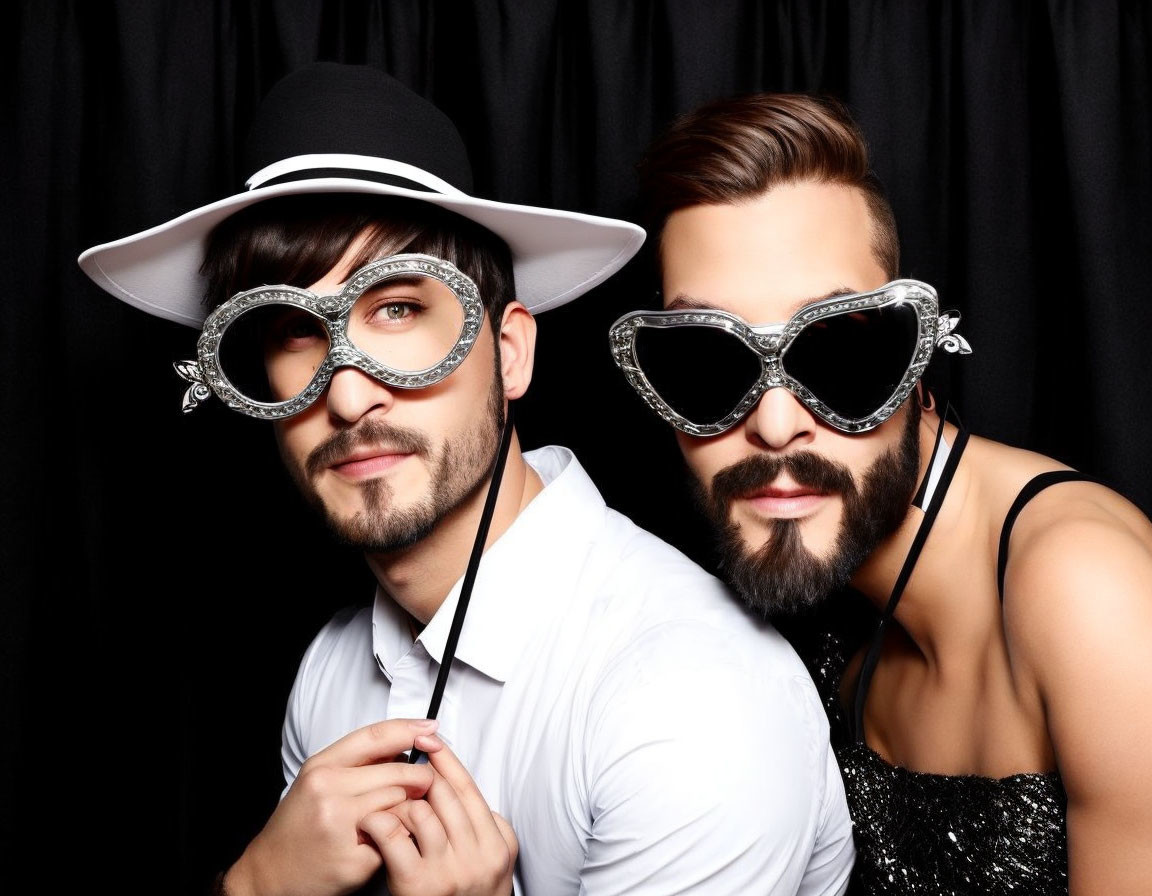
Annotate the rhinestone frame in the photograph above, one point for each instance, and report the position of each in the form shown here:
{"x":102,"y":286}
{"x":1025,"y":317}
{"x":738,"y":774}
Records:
{"x":333,"y":312}
{"x":771,"y":341}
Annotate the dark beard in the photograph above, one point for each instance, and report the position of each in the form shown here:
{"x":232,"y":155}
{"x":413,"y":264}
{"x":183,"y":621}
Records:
{"x":457,"y":474}
{"x":782,"y":577}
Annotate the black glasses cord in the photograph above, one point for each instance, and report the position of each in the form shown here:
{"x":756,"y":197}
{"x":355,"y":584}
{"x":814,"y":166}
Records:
{"x":931,"y":511}
{"x":469,"y":575}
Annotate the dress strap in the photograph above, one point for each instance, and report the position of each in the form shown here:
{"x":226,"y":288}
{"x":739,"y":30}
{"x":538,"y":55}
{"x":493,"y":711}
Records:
{"x":930,"y":514}
{"x":1031,"y":489}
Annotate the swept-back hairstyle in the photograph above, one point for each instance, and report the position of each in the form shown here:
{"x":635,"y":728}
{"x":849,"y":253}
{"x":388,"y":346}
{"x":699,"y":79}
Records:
{"x":734,"y":149}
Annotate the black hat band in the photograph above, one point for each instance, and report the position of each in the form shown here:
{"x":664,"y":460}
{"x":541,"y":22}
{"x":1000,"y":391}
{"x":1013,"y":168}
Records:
{"x":376,"y":169}
{"x":380,"y":177}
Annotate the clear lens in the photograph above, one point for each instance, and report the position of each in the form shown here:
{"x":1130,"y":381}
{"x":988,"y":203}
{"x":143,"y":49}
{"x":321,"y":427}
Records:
{"x":270,"y":352}
{"x":409,"y":323}
{"x":853,"y":362}
{"x":700,"y":372}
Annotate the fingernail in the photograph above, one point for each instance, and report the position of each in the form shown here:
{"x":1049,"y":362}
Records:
{"x":426,"y":726}
{"x":428,"y":742}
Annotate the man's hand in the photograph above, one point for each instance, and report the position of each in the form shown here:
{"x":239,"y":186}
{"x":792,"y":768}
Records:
{"x":449,"y":843}
{"x":314,"y":844}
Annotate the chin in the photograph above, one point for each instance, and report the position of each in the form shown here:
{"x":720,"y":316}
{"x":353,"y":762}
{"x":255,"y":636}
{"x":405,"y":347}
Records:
{"x":817,"y":536}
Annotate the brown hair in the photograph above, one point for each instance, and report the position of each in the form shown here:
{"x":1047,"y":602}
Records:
{"x":296,"y":240}
{"x":733,"y":149}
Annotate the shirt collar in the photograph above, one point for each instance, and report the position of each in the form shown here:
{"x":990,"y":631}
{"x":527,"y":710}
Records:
{"x":531,"y":566}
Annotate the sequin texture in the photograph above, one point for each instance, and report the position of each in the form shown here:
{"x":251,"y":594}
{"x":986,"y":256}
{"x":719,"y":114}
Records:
{"x":953,"y":834}
{"x":944,"y":835}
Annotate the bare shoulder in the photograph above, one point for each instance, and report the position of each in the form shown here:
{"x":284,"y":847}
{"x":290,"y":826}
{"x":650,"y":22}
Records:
{"x":1078,"y":581}
{"x":1078,"y":625}
{"x":1076,"y":547}
{"x":1077,"y":618}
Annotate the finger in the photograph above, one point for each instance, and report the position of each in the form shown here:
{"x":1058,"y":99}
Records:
{"x":508,"y":834}
{"x":413,"y":779}
{"x":383,"y":798}
{"x":373,"y":743}
{"x":428,"y":743}
{"x":424,"y":825}
{"x":453,"y":815}
{"x":389,"y":835}
{"x":325,"y":781}
{"x":447,"y":765}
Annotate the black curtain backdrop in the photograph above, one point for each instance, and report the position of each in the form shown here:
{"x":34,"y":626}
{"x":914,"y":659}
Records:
{"x":160,"y":578}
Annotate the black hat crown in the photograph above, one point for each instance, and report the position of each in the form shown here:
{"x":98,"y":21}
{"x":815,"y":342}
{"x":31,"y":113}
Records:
{"x":329,"y":108}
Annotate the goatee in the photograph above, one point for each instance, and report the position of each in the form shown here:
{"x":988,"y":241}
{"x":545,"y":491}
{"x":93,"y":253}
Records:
{"x":457,"y":472}
{"x":783,"y":577}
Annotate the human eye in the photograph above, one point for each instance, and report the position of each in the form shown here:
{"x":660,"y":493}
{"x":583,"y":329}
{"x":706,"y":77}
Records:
{"x":295,"y":330}
{"x":393,"y":310}
{"x":397,"y":310}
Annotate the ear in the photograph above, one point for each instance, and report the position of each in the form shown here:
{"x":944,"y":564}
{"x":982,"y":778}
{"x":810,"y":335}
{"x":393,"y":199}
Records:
{"x":926,"y":399}
{"x":517,"y":349}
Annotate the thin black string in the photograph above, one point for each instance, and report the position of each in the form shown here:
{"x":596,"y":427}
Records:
{"x":469,"y":576}
{"x":1031,"y":489}
{"x":930,"y":514}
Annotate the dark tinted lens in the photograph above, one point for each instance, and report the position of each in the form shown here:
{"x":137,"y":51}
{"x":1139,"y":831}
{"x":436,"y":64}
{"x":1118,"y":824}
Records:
{"x":853,"y":362}
{"x":700,"y":372}
{"x":270,"y":352}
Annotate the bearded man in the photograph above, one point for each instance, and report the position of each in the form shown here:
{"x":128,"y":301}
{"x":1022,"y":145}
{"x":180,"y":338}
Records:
{"x":992,"y":731}
{"x":382,"y":319}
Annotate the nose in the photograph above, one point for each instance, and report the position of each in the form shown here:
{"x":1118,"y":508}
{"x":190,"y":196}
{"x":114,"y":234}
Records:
{"x":780,"y":421}
{"x":351,"y":394}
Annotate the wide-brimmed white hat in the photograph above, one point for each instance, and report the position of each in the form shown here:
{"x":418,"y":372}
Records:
{"x":332,"y":128}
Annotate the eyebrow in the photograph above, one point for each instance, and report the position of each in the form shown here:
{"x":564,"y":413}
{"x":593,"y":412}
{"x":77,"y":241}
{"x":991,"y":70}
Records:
{"x":399,"y":280}
{"x":684,"y":302}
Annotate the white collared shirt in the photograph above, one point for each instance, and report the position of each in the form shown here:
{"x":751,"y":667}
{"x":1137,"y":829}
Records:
{"x":638,"y":730}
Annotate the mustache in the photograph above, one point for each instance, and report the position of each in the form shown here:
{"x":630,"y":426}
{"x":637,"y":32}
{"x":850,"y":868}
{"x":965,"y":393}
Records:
{"x":805,"y":468}
{"x":370,"y":432}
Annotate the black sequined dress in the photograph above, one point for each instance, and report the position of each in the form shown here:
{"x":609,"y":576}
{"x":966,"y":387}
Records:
{"x":944,"y":835}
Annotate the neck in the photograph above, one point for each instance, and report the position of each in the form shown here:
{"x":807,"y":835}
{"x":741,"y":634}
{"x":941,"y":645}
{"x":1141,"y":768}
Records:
{"x":419,"y":577}
{"x":940,"y":625}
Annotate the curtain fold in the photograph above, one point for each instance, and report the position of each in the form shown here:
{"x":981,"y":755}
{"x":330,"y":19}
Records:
{"x":160,"y":577}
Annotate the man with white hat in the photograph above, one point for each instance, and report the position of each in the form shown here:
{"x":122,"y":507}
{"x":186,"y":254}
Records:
{"x":607,"y":698}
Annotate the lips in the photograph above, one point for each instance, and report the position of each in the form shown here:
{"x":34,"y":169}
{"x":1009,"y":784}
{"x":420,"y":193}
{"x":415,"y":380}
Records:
{"x":783,"y":500}
{"x":367,"y":462}
{"x":783,"y":487}
{"x":775,"y":485}
{"x":783,"y":492}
